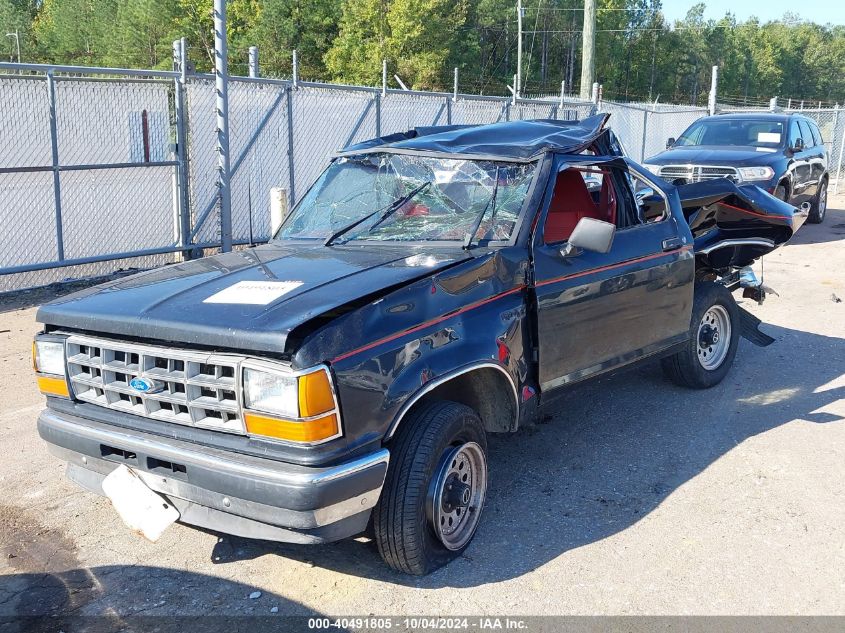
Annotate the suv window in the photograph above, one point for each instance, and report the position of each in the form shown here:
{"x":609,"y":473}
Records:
{"x":794,"y":132}
{"x":817,"y":135}
{"x":806,"y":134}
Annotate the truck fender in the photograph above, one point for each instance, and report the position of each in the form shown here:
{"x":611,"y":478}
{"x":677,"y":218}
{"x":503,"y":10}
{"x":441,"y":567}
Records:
{"x":472,"y":370}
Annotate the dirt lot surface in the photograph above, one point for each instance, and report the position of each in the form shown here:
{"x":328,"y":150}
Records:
{"x":637,"y":497}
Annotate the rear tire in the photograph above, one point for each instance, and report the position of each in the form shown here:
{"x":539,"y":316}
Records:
{"x":714,"y":335}
{"x":818,"y":207}
{"x":435,"y":488}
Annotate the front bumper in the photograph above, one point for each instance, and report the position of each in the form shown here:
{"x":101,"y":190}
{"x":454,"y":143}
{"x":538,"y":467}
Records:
{"x":222,"y":490}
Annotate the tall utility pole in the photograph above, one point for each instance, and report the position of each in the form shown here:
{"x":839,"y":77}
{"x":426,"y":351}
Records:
{"x":588,"y":64}
{"x":518,"y":85}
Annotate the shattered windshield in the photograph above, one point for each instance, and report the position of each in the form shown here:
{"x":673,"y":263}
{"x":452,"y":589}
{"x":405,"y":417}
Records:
{"x":383,"y":197}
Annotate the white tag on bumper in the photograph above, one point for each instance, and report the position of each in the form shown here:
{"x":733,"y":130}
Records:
{"x":141,"y":509}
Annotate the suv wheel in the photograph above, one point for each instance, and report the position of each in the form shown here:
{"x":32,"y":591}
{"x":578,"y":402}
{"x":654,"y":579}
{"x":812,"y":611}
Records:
{"x":818,"y":207}
{"x":714,"y":336}
{"x":435,"y":488}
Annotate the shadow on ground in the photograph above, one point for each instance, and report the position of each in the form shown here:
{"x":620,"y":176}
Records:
{"x":831,"y":230}
{"x":43,"y":587}
{"x":614,"y":450}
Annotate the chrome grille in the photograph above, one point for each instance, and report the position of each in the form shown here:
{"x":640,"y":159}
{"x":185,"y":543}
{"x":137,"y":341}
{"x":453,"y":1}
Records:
{"x":193,"y":388}
{"x":697,"y":173}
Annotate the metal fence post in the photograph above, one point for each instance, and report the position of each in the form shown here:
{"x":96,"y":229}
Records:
{"x":711,"y":98}
{"x":377,"y":97}
{"x":221,"y":73}
{"x":54,"y":147}
{"x":253,"y":61}
{"x":291,"y":171}
{"x":645,"y":134}
{"x":384,"y":78}
{"x":839,"y":162}
{"x":180,"y":58}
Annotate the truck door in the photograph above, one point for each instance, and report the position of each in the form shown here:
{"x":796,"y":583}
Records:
{"x":596,"y":311}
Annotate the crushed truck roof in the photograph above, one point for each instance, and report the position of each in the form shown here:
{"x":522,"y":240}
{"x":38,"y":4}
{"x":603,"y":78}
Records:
{"x":510,"y":141}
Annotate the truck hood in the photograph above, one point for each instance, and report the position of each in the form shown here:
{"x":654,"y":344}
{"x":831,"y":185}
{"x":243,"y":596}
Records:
{"x":714,"y":155}
{"x":246,"y":300}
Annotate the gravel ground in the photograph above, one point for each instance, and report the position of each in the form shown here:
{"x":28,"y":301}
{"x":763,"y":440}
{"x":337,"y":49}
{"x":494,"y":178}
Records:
{"x":635,"y":497}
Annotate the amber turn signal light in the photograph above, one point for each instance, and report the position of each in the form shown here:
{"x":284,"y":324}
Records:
{"x":315,"y":394}
{"x":314,"y":430}
{"x":53,"y":386}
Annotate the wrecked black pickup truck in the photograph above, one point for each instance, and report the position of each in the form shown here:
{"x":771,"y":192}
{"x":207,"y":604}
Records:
{"x":431,"y":287}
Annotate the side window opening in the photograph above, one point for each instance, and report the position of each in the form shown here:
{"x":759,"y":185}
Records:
{"x":794,"y":133}
{"x":817,"y":135}
{"x":582,"y":192}
{"x":602,"y":193}
{"x":806,"y":134}
{"x":651,"y":204}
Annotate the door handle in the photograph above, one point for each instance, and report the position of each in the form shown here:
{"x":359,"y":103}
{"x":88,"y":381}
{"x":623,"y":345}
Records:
{"x":672,"y":244}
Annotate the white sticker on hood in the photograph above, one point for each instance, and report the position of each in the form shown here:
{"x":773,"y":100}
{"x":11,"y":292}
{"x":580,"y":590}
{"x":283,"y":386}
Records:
{"x":258,"y":293}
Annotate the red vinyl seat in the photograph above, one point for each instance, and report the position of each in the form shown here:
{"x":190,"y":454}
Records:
{"x":570,"y":202}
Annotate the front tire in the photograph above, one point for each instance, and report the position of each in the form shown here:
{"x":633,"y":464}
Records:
{"x":818,"y":207}
{"x":435,"y":488}
{"x":714,"y":335}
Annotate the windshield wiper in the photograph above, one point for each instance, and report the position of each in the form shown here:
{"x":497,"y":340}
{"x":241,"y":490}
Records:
{"x":490,"y":202}
{"x":391,"y":209}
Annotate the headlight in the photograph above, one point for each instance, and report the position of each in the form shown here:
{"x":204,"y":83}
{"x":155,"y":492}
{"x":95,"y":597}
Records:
{"x":285,"y":406}
{"x":271,"y":393}
{"x":48,"y":360}
{"x":48,"y":357}
{"x":654,"y":169}
{"x":756,"y":173}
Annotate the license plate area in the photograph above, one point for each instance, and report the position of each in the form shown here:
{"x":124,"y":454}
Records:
{"x":143,"y":510}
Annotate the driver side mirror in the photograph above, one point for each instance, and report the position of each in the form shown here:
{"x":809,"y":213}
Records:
{"x":799,"y":145}
{"x":670,"y":142}
{"x":589,"y":235}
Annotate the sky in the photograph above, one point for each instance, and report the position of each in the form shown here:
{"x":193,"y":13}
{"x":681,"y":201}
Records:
{"x":820,"y":11}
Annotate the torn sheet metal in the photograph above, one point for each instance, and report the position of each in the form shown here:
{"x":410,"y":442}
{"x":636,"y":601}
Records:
{"x":733,"y":225}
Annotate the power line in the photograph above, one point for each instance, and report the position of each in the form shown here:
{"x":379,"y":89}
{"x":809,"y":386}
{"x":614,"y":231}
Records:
{"x":667,"y":29}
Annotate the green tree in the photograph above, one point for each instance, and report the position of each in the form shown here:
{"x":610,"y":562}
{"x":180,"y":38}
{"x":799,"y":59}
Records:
{"x":428,"y":37}
{"x":357,"y":52}
{"x":75,"y":31}
{"x":194,"y":21}
{"x":14,"y":18}
{"x":142,"y":34}
{"x":309,"y":27}
{"x":421,"y":39}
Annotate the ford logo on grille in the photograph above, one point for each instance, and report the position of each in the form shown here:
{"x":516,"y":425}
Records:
{"x":145,"y":385}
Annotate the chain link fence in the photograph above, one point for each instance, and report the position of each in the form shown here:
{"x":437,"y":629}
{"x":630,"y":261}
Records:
{"x":105,"y":168}
{"x":86,"y":175}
